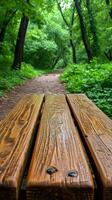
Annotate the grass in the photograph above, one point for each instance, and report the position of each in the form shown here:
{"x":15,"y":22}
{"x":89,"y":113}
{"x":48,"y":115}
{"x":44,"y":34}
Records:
{"x":9,"y":78}
{"x":95,"y":80}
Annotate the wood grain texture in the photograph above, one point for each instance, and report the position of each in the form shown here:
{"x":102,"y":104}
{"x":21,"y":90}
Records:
{"x":58,"y":145}
{"x":16,"y":133}
{"x":96,"y":129}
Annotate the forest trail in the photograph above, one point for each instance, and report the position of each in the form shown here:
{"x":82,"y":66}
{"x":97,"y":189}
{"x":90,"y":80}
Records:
{"x":46,"y":84}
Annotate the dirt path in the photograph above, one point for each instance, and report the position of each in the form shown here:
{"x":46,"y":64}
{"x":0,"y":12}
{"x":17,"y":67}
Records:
{"x":47,"y":84}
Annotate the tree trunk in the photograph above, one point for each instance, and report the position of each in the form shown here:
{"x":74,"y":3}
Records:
{"x":2,"y":33}
{"x":73,"y":51}
{"x":2,"y":36}
{"x":108,"y":54}
{"x":73,"y":46}
{"x":20,"y":43}
{"x":96,"y":48}
{"x":107,"y":2}
{"x":83,"y":31}
{"x":56,"y":60}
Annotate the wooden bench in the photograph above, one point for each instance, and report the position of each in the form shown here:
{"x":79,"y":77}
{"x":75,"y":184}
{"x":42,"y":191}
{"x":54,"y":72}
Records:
{"x":16,"y":134}
{"x":96,"y":129}
{"x":58,"y":149}
{"x":70,"y":151}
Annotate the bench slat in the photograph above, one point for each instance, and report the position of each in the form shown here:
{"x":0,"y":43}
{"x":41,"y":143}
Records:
{"x":16,"y":133}
{"x":58,"y":145}
{"x":97,"y":131}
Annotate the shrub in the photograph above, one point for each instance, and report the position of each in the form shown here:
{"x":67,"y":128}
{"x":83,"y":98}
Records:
{"x":9,"y":78}
{"x":95,"y":80}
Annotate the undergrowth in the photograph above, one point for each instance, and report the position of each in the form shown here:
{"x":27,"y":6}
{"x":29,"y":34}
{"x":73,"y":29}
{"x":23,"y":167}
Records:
{"x":11,"y":78}
{"x":95,"y":80}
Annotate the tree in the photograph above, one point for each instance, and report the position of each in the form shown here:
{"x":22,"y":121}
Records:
{"x":18,"y":56}
{"x":69,"y":26}
{"x":83,"y":31}
{"x":96,"y":48}
{"x":19,"y":49}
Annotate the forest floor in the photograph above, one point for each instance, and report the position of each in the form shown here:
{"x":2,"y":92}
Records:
{"x":47,"y":84}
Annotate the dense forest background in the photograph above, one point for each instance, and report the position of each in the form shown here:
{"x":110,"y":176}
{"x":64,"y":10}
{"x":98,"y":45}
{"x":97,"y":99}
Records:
{"x":38,"y":36}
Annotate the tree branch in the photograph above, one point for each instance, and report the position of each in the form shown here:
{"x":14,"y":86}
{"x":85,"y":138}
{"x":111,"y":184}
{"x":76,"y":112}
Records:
{"x":60,"y":9}
{"x":11,"y":16}
{"x":72,"y":16}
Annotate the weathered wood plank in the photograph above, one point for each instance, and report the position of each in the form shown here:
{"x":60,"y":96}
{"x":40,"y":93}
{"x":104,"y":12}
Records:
{"x":16,"y":133}
{"x":58,"y":145}
{"x":97,"y":131}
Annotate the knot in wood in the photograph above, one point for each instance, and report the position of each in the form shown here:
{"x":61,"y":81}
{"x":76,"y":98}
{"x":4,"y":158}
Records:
{"x":21,"y":121}
{"x":73,"y":173}
{"x":51,"y":170}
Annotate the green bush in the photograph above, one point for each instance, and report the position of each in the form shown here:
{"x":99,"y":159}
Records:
{"x":40,"y":53}
{"x":95,"y":80}
{"x":10,"y":78}
{"x":44,"y":45}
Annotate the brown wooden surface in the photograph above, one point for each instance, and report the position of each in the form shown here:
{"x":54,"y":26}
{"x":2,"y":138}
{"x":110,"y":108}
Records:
{"x":16,"y":133}
{"x":96,"y":128}
{"x":58,"y":145}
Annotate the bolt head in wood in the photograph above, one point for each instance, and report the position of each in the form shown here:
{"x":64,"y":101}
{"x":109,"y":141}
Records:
{"x":73,"y":174}
{"x":51,"y":170}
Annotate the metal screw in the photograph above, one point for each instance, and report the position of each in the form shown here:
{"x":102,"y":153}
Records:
{"x":73,"y":174}
{"x":51,"y":170}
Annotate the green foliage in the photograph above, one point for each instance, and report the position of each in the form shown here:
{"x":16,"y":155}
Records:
{"x":57,"y":33}
{"x":39,"y":51}
{"x":45,"y":42}
{"x":95,"y":80}
{"x":47,"y":46}
{"x":47,"y":35}
{"x":9,"y":79}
